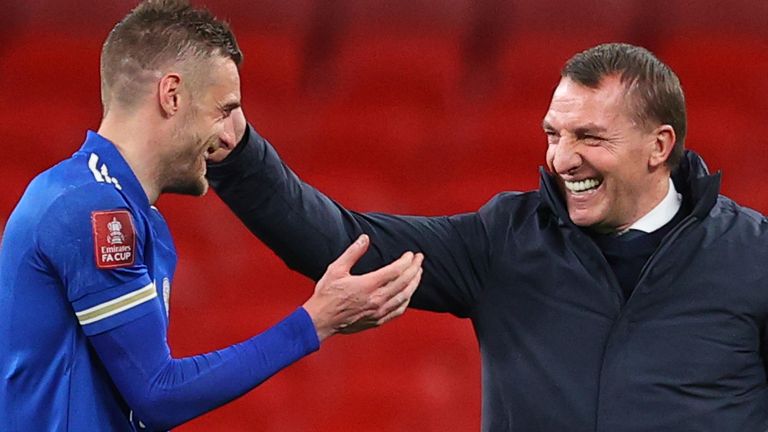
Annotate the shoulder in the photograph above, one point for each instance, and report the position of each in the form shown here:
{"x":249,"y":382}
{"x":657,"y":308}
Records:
{"x":734,"y":219}
{"x":726,"y":208}
{"x":511,"y":207}
{"x":72,"y":184}
{"x":513,"y":201}
{"x":67,"y":201}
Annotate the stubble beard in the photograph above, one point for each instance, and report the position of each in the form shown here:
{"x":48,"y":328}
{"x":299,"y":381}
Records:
{"x":193,"y":187}
{"x":182,"y":175}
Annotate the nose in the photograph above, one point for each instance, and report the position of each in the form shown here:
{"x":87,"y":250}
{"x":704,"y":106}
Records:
{"x":565,"y":158}
{"x":227,"y":136}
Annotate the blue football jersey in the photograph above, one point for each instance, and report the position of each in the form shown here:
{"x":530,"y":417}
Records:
{"x":83,"y":253}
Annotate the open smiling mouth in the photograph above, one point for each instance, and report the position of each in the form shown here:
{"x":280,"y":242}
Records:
{"x":211,"y":149}
{"x":582,"y":186}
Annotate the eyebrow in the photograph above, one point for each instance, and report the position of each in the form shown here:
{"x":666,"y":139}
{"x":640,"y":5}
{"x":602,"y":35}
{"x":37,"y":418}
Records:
{"x":230,"y":106}
{"x":581,"y":130}
{"x":589,"y":128}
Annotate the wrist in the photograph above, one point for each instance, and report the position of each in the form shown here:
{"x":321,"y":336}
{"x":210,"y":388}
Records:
{"x":303,"y":321}
{"x":323,"y":328}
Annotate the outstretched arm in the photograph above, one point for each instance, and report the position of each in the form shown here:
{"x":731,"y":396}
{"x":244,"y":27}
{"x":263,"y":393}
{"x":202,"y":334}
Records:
{"x":164,"y":392}
{"x":307,"y":229}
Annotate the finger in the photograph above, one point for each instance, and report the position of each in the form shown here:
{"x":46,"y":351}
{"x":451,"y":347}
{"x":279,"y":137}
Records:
{"x":358,"y":322}
{"x":399,"y":291}
{"x":395,"y":310}
{"x":399,"y":284}
{"x":413,"y":285}
{"x":350,"y":256}
{"x":358,"y":326}
{"x":388,"y":273}
{"x":401,"y":299}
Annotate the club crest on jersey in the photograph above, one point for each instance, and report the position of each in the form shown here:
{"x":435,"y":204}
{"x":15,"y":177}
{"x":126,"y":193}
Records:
{"x":167,"y":295}
{"x":114,"y":238}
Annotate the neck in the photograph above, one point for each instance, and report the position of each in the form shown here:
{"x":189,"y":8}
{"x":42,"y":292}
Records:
{"x":659,"y":189}
{"x":135,"y":139}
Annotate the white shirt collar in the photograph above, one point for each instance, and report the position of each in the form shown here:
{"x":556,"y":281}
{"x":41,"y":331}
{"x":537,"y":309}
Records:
{"x":662,"y":213}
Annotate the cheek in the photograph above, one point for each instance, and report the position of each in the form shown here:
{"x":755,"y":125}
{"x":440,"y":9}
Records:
{"x":550,"y":156}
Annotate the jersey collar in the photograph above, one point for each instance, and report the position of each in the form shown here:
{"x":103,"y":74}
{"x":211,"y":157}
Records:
{"x":107,"y":165}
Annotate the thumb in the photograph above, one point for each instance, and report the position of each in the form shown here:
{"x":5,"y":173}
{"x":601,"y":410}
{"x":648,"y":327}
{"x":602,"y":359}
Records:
{"x":349,"y":257}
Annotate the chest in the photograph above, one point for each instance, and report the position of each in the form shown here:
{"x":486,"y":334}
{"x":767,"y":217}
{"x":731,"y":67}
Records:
{"x":700,"y":304}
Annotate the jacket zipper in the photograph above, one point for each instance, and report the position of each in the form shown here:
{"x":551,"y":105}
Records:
{"x":665,"y":242}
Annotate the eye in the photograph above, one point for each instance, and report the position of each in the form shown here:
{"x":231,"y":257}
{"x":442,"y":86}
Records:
{"x":552,"y":136}
{"x":592,"y":139}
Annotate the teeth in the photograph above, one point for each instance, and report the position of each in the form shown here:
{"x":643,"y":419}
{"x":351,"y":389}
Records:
{"x":582,"y":185}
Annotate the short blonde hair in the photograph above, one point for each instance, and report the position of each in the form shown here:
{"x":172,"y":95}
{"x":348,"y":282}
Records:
{"x":155,"y":34}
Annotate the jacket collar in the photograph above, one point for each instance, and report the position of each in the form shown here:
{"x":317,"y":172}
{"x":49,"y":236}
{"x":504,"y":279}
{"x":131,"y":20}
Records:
{"x":691,"y":178}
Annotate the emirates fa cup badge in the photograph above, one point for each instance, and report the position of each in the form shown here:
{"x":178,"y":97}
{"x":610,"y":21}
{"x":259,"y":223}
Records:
{"x":116,"y":236}
{"x":114,"y":239}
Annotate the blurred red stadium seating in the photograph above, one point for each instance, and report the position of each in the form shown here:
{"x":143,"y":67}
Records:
{"x":425,"y":107}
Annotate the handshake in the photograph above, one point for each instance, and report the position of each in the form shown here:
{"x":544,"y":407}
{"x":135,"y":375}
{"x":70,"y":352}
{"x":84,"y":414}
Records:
{"x":343,"y":303}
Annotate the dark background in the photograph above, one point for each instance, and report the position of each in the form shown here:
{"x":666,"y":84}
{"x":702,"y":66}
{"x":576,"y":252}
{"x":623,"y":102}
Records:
{"x":405,"y":106}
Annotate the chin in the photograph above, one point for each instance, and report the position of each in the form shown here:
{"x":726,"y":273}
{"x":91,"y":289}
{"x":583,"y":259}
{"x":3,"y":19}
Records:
{"x":594,"y":224}
{"x":580,"y":218}
{"x":198,"y":187}
{"x":584,"y":220}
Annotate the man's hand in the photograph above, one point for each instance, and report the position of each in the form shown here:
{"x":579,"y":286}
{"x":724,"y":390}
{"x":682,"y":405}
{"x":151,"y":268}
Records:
{"x":238,"y":124}
{"x":343,"y":303}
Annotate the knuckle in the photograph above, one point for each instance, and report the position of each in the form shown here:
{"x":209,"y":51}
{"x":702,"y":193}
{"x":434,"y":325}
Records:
{"x":398,"y":299}
{"x":351,"y":299}
{"x":377,"y":302}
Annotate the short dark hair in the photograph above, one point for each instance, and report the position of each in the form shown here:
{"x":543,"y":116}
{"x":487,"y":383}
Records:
{"x":653,"y":87}
{"x":154,"y":34}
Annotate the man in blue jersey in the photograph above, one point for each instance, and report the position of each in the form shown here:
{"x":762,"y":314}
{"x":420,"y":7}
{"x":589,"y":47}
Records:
{"x":86,"y":260}
{"x":624,"y":295}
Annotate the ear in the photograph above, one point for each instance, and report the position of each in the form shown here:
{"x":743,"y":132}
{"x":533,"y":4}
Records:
{"x":168,"y":93}
{"x":663,"y":143}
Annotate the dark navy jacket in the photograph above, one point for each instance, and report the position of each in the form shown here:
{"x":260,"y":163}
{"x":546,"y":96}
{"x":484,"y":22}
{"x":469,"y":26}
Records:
{"x":561,"y":348}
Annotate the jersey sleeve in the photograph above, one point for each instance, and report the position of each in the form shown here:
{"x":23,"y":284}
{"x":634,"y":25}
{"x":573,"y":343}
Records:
{"x":94,"y":243}
{"x":164,"y":392}
{"x":308,"y":230}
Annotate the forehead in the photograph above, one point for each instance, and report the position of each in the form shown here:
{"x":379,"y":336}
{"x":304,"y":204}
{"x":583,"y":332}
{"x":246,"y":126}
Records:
{"x":223,"y":83}
{"x":574,"y":104}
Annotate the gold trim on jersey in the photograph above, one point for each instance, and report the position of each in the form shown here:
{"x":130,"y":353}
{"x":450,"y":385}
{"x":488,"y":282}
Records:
{"x":115,"y":306}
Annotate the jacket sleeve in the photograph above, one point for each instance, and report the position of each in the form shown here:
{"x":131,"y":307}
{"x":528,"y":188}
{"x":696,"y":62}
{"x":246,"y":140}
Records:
{"x":308,"y":230}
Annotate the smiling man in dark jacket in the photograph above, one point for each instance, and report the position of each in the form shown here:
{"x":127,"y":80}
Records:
{"x":624,"y":295}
